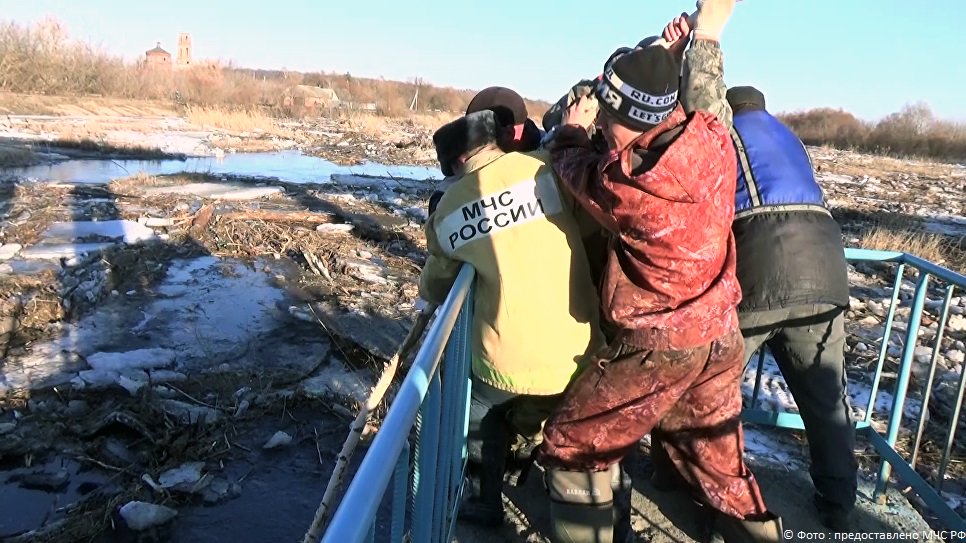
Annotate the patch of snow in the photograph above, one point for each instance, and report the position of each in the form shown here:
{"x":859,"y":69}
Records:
{"x":183,"y":478}
{"x":212,"y":305}
{"x":334,"y":228}
{"x":922,"y":354}
{"x":207,"y":310}
{"x":190,"y":413}
{"x":774,"y":393}
{"x":956,"y":323}
{"x":61,"y":250}
{"x":142,"y":515}
{"x":837,"y":179}
{"x":381,"y":183}
{"x":184,"y":143}
{"x":336,"y":380}
{"x":417,"y":213}
{"x":217,"y":191}
{"x":220,"y":490}
{"x":278,"y":439}
{"x":132,"y":380}
{"x":761,"y":445}
{"x":9,"y":250}
{"x":139,"y":359}
{"x":101,"y":378}
{"x":126,"y":231}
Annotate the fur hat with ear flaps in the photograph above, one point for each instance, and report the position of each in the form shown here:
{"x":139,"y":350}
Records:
{"x":464,"y":135}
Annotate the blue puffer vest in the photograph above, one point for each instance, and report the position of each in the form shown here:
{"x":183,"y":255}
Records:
{"x":774,"y":171}
{"x":789,"y":247}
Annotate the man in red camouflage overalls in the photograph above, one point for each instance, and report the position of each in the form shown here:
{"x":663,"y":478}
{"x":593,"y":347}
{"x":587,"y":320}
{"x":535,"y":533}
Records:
{"x":665,"y":193}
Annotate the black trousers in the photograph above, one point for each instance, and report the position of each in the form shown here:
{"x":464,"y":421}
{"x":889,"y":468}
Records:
{"x":807,"y":342}
{"x":500,"y":424}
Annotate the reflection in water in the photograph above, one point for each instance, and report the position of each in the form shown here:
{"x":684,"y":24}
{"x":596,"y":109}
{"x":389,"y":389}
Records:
{"x":290,"y":166}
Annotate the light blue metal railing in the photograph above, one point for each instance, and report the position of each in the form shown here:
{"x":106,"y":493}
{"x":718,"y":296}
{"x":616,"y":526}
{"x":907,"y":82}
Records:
{"x":885,"y":445}
{"x":433,"y":399}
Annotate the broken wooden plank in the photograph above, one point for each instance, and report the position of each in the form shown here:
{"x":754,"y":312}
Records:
{"x":202,"y":219}
{"x":379,"y":335}
{"x":278,"y":216}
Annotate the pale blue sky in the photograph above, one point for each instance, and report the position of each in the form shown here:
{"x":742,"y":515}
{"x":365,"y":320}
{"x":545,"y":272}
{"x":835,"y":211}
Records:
{"x":869,"y":57}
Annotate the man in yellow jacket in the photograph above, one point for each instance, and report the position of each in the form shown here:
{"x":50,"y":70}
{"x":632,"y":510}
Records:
{"x":536,"y":316}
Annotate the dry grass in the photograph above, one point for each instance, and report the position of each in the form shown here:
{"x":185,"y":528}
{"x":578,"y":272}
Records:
{"x":131,"y":185}
{"x":107,"y":148}
{"x":17,"y":157}
{"x":88,"y":130}
{"x":932,"y":247}
{"x":858,"y":165}
{"x":33,"y":209}
{"x":368,"y":124}
{"x":431,"y":121}
{"x":249,"y":145}
{"x":377,"y":126}
{"x":16,"y":103}
{"x":234,"y":120}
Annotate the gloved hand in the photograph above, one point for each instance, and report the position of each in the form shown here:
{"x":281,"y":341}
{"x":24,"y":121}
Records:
{"x":554,"y":115}
{"x":711,"y":18}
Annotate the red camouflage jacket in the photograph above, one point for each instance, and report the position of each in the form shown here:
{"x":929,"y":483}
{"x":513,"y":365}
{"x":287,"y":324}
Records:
{"x":669,"y":281}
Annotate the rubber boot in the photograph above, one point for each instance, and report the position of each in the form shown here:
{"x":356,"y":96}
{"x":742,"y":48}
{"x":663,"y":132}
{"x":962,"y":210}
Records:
{"x":581,"y":506}
{"x":621,"y":485}
{"x":765,"y":530}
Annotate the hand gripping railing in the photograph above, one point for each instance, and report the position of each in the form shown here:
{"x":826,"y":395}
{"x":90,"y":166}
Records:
{"x":885,"y":446}
{"x":434,"y":401}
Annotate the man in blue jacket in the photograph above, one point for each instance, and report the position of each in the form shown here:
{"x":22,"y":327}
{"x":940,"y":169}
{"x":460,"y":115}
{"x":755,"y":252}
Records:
{"x":794,"y":283}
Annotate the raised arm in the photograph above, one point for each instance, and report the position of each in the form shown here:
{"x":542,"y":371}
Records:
{"x":702,"y":83}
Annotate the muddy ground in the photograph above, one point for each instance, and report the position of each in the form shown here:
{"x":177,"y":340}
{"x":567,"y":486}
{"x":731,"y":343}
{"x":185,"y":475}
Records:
{"x":161,"y":321}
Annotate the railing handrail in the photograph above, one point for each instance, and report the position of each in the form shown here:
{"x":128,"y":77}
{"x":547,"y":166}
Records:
{"x":905,"y":258}
{"x":420,"y":393}
{"x":885,"y":445}
{"x":354,"y":516}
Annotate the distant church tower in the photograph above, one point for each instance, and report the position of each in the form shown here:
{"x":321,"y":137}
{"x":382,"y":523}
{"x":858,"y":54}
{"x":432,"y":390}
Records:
{"x":184,"y":50}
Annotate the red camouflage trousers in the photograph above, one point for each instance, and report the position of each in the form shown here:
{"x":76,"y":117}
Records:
{"x":692,"y":397}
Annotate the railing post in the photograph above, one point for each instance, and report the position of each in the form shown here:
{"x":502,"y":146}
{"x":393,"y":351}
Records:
{"x":886,"y":336}
{"x":459,"y":356}
{"x":902,"y":383}
{"x":428,"y":451}
{"x":758,"y":373}
{"x":447,"y":439}
{"x":400,"y":487}
{"x":951,"y":431}
{"x":927,"y":392}
{"x":418,"y":393}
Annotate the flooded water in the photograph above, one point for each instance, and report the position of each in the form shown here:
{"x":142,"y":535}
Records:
{"x":31,"y":497}
{"x":280,"y":492}
{"x":290,"y":166}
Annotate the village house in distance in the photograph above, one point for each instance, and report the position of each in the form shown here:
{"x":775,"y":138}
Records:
{"x":158,"y":58}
